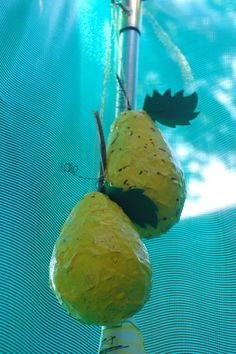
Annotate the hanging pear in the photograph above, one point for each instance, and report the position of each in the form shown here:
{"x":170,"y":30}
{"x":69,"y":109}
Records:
{"x":100,"y":270}
{"x":142,"y":175}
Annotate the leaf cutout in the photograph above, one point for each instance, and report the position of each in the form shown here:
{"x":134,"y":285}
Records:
{"x":139,"y":208}
{"x":171,"y":110}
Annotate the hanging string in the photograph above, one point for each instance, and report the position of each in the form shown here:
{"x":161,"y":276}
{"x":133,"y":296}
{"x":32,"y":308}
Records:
{"x":113,"y":40}
{"x":175,"y":51}
{"x":106,"y":79}
{"x":107,"y":70}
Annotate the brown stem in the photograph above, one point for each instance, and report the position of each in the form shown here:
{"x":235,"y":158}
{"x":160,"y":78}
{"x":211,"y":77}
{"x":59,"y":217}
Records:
{"x":102,"y":151}
{"x":124,"y":92}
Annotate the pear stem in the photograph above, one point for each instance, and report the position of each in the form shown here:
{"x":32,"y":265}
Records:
{"x":102,"y":151}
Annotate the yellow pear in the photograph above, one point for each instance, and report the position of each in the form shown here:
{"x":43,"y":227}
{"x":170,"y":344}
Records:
{"x":142,"y":175}
{"x":100,"y":270}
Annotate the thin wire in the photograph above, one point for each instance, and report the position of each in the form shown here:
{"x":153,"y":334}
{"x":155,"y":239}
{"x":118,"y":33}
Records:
{"x":107,"y":71}
{"x":106,"y":78}
{"x":113,"y":40}
{"x":118,"y":3}
{"x":166,"y":40}
{"x":124,"y":92}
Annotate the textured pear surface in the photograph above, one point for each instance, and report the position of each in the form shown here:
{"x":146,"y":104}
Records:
{"x":100,"y":270}
{"x":139,"y":157}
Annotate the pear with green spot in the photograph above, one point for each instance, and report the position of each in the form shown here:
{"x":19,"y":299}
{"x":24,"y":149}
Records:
{"x":100,"y":270}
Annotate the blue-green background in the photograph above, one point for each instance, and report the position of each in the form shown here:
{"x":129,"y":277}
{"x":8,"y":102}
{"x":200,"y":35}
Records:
{"x":52,"y":59}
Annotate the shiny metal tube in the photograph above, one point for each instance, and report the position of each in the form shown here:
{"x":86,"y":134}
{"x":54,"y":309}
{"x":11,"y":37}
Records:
{"x":129,"y":30}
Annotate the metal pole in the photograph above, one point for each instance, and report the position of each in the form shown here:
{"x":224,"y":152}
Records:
{"x":129,"y":33}
{"x":126,"y":335}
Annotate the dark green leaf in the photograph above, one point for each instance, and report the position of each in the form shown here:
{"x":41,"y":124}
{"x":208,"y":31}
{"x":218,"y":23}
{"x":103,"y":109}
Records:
{"x":171,"y":110}
{"x":139,"y":208}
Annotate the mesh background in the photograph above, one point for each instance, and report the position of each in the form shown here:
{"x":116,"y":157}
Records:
{"x":52,"y":62}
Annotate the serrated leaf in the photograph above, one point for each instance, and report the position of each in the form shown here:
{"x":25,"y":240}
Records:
{"x":171,"y":110}
{"x":138,"y":207}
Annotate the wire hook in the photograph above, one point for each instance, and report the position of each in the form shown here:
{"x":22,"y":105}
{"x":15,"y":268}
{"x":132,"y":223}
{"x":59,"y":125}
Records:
{"x":123,"y":8}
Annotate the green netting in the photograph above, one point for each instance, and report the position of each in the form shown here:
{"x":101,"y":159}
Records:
{"x":52,"y":61}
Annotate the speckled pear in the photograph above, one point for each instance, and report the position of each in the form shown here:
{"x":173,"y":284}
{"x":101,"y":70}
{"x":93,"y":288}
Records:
{"x":139,"y":159}
{"x":100,"y":270}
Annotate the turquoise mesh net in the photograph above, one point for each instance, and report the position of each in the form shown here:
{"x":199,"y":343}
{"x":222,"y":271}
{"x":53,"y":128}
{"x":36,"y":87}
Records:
{"x":53,"y":56}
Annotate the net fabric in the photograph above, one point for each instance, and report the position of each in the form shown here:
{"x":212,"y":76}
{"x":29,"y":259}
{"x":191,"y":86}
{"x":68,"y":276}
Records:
{"x":52,"y":65}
